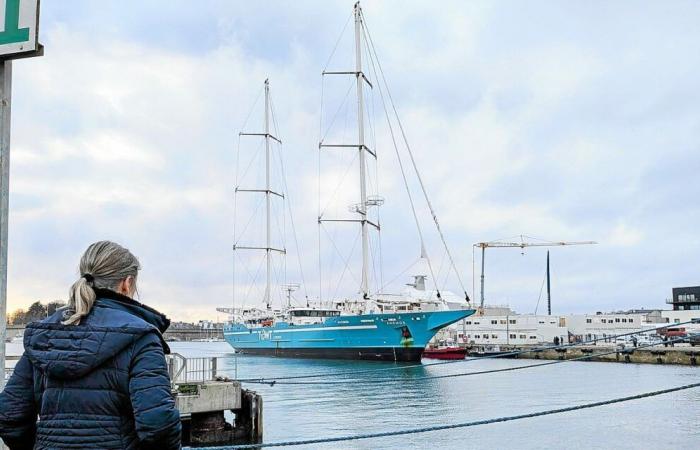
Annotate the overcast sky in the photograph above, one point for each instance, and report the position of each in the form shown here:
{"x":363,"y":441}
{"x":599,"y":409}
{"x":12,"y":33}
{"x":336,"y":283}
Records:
{"x":560,"y":120}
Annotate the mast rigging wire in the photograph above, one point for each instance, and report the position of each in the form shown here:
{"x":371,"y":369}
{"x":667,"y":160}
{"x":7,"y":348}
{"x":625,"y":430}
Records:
{"x":410,"y":153}
{"x":289,"y":207}
{"x":424,"y":252}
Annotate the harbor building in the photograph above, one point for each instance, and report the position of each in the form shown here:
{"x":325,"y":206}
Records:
{"x":683,"y":316}
{"x":685,"y":298}
{"x":584,"y":327}
{"x":499,"y":325}
{"x":503,"y":326}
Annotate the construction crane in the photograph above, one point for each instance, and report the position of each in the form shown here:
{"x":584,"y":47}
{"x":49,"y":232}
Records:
{"x":525,"y":241}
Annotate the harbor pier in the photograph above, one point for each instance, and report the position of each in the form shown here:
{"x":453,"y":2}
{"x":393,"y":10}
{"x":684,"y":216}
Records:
{"x":204,"y":398}
{"x":688,"y":356}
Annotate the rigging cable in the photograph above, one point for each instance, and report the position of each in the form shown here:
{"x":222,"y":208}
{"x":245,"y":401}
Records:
{"x":501,"y":419}
{"x":413,"y":162}
{"x":289,"y":208}
{"x":539,"y":297}
{"x":424,"y":252}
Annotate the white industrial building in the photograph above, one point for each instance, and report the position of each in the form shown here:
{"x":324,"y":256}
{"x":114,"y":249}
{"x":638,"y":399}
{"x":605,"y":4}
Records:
{"x":585,"y":327}
{"x":502,"y":326}
{"x":683,"y":316}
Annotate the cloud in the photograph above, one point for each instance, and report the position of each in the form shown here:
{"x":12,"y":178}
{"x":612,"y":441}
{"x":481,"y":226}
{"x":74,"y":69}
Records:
{"x":566,"y":121}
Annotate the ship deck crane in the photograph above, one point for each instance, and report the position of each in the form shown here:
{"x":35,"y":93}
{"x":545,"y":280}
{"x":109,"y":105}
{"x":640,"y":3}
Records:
{"x":525,"y":241}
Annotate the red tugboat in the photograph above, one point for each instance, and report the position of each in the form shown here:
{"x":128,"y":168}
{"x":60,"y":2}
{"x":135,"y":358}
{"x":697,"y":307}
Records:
{"x":444,"y":351}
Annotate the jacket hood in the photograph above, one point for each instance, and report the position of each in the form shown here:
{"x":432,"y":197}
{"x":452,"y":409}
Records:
{"x":73,"y":351}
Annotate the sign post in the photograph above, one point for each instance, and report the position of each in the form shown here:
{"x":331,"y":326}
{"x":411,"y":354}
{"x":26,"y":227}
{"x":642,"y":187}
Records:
{"x":18,"y":39}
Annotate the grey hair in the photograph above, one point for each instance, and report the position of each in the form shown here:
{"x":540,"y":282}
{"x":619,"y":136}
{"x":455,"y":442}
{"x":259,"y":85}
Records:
{"x":103,"y":265}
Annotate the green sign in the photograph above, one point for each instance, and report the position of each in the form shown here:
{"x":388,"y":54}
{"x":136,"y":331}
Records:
{"x":13,"y":33}
{"x":19,"y":35}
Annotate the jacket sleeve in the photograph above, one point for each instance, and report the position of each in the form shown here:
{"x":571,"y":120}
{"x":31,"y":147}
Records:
{"x":157,"y":419}
{"x":18,"y":412}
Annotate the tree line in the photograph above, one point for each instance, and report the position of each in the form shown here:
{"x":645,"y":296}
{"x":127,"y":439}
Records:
{"x":35,"y":312}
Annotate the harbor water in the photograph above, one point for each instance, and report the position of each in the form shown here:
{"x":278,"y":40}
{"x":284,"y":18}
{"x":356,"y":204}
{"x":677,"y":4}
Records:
{"x":359,"y":406}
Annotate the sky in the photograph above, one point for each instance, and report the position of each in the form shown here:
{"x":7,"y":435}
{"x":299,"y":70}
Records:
{"x":566,"y":121}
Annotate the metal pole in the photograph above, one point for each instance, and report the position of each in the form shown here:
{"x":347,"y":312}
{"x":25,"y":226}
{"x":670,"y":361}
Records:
{"x":483,"y":256}
{"x":362,"y":210}
{"x":549,"y":292}
{"x":267,"y":190}
{"x":5,"y":103}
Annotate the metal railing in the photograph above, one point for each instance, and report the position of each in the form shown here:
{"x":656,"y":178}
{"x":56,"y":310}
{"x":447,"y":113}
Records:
{"x":191,"y":370}
{"x":8,"y":370}
{"x":180,"y":369}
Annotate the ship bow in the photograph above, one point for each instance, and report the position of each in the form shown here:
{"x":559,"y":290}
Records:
{"x":441,"y":319}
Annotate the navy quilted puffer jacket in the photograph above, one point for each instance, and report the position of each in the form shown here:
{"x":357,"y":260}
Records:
{"x":102,"y":384}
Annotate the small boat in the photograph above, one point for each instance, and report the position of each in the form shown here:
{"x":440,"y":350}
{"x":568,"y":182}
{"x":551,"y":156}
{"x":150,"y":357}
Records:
{"x":445,"y":353}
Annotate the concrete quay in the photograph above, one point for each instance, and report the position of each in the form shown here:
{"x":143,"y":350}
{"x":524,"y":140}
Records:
{"x":204,"y":398}
{"x":688,"y":356}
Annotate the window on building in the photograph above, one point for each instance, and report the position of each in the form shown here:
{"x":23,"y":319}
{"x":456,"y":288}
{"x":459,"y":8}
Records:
{"x":512,"y":321}
{"x":494,"y":322}
{"x":512,"y":336}
{"x":476,"y":323}
{"x":477,"y":336}
{"x":523,"y":336}
{"x":589,"y":320}
{"x":624,"y":320}
{"x":630,"y":320}
{"x":533,"y":337}
{"x":494,"y":336}
{"x":617,"y":320}
{"x":503,"y":322}
{"x":542,"y":321}
{"x":468,"y":322}
{"x":603,"y":321}
{"x":676,"y":320}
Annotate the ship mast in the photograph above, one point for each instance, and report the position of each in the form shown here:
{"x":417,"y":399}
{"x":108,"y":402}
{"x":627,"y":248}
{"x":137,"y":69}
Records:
{"x":268,"y":248}
{"x":362,"y":209}
{"x":268,"y":261}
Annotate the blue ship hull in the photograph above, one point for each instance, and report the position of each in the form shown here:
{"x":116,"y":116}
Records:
{"x":381,"y":337}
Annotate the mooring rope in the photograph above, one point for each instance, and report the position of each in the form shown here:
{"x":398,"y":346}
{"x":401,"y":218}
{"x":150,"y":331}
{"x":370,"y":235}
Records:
{"x":465,"y":374}
{"x":454,"y":425}
{"x":268,"y":380}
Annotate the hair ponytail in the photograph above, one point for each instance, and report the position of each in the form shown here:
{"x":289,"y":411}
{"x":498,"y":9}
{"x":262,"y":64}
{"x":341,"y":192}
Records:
{"x":103,"y":265}
{"x":82,"y":297}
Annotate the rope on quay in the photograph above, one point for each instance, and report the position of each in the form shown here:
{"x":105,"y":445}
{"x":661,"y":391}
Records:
{"x":460,"y":374}
{"x":455,"y":425}
{"x":271,"y":380}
